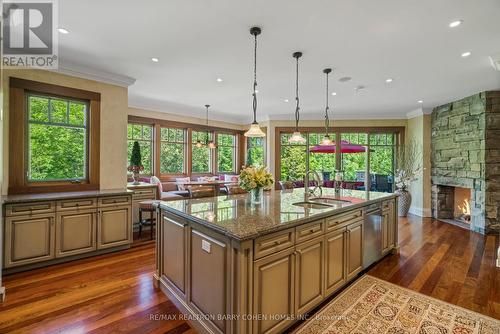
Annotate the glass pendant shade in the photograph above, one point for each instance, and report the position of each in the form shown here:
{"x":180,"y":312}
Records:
{"x":326,"y":141}
{"x":255,"y":131}
{"x":199,"y":144}
{"x":297,"y":138}
{"x":211,"y":145}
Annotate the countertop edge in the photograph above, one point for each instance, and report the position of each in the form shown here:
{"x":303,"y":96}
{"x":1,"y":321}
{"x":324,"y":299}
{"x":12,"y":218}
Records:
{"x":277,"y":228}
{"x":24,"y":198}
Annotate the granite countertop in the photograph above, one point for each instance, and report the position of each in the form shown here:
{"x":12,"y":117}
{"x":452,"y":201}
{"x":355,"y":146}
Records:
{"x":10,"y":199}
{"x":235,"y":217}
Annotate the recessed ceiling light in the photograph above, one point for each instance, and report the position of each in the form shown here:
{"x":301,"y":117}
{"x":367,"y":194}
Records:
{"x":63,"y":31}
{"x":334,"y":93}
{"x":466,"y":54}
{"x":219,"y":80}
{"x":286,"y":100}
{"x":389,"y":80}
{"x":456,"y":23}
{"x":420,"y":101}
{"x":345,"y":79}
{"x":155,"y":60}
{"x":358,"y":88}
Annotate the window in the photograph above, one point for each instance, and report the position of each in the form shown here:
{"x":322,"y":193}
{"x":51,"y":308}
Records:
{"x":323,"y":163}
{"x":382,"y":161}
{"x":53,"y":138}
{"x":201,"y":156}
{"x":172,"y":150}
{"x":255,"y":152}
{"x":226,"y":153}
{"x":143,"y":134}
{"x":354,"y":164}
{"x":293,"y":159}
{"x":57,"y":139}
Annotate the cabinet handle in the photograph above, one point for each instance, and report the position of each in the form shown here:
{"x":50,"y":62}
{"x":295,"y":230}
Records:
{"x":311,"y":231}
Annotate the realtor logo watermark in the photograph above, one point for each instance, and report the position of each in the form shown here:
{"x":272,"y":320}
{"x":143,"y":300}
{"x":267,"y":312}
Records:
{"x":30,"y":37}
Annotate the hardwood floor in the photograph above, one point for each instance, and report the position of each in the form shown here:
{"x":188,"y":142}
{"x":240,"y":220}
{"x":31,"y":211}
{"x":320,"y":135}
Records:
{"x":115,"y":292}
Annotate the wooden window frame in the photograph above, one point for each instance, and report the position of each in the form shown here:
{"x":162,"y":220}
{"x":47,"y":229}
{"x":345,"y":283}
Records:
{"x":235,"y":152}
{"x":153,"y":136}
{"x":212,"y":155}
{"x":399,"y":132}
{"x":185,"y":149}
{"x":189,"y":128}
{"x":18,"y":113}
{"x":264,"y":146}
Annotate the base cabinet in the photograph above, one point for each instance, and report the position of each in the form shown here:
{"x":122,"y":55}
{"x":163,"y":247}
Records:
{"x":309,"y":268}
{"x":174,"y":241}
{"x":274,"y":291}
{"x":335,"y":262}
{"x":114,"y":227}
{"x":29,"y":239}
{"x":75,"y":232}
{"x":354,"y":249}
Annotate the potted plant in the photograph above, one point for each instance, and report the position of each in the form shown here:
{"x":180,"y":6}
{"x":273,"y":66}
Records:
{"x":254,"y":180}
{"x":409,"y":168}
{"x":135,"y":163}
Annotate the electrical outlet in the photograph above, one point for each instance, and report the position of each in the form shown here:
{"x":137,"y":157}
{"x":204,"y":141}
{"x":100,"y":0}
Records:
{"x":205,"y":245}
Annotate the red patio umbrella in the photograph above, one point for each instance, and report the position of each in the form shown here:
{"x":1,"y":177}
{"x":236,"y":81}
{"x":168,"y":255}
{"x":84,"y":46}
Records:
{"x":345,"y":147}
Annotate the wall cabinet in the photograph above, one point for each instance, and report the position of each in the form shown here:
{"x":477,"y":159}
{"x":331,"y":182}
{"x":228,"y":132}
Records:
{"x":29,"y":239}
{"x":114,"y":226}
{"x":75,"y":232}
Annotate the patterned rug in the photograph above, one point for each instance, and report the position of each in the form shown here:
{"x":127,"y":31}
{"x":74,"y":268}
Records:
{"x":371,"y":305}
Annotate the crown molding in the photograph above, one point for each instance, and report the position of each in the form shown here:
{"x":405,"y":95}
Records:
{"x":84,"y":72}
{"x":418,"y":112}
{"x":346,"y":117}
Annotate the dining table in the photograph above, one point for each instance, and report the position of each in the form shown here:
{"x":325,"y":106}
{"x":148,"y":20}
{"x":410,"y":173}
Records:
{"x":215,"y":184}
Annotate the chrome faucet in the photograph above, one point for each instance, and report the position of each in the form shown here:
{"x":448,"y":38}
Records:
{"x":317,"y":184}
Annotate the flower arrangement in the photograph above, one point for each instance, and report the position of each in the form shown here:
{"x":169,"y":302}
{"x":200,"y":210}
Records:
{"x":255,"y":178}
{"x":409,"y":165}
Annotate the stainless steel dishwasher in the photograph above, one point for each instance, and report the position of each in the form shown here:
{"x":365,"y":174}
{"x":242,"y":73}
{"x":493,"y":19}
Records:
{"x":372,"y":235}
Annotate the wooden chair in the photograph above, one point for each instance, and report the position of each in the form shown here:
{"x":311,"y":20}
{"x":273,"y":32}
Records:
{"x":234,"y":190}
{"x":201,"y":191}
{"x":147,"y":206}
{"x":286,"y":185}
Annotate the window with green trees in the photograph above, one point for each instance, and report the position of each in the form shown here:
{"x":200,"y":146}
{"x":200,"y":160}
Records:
{"x":293,"y":159}
{"x":57,"y":139}
{"x":255,"y":151}
{"x":143,"y":134}
{"x":226,"y":152}
{"x":201,"y":156}
{"x":323,"y":163}
{"x":354,"y":164}
{"x":172,"y":150}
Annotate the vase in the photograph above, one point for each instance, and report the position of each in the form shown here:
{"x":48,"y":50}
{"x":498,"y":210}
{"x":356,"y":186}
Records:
{"x":256,"y":195}
{"x":135,"y":176}
{"x":404,"y":202}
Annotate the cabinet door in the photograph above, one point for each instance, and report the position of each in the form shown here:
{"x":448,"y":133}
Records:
{"x":385,"y":232}
{"x":174,"y":253}
{"x":114,"y":227}
{"x":354,"y":249}
{"x":274,"y":291}
{"x":335,"y":272}
{"x":29,"y":239}
{"x":75,"y":232}
{"x":392,"y":223}
{"x":309,"y":276}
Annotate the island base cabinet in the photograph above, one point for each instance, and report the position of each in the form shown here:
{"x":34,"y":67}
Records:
{"x":309,"y":274}
{"x":273,"y":297}
{"x":75,"y":232}
{"x":335,"y":252}
{"x":208,"y":278}
{"x":114,"y":227}
{"x":354,"y":249}
{"x":29,"y":239}
{"x":174,"y":242}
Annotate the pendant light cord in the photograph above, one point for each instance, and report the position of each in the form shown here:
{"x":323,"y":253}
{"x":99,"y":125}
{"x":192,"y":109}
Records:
{"x":255,"y":80}
{"x":297,"y":109}
{"x":327,"y":119}
{"x":207,"y":106}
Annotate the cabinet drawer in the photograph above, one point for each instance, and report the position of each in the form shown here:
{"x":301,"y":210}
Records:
{"x":341,"y":220}
{"x":309,"y":231}
{"x":29,"y":208}
{"x":114,"y":200}
{"x":386,"y":205}
{"x":76,"y":204}
{"x":270,"y":244}
{"x":147,"y":193}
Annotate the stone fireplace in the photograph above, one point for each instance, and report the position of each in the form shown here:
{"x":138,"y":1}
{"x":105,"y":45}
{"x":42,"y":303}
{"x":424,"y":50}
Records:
{"x":465,"y":162}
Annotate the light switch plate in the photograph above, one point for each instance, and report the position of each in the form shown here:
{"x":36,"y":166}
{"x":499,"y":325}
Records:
{"x":205,"y":245}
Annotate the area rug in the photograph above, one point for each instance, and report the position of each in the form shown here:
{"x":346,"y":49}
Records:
{"x":371,"y":305}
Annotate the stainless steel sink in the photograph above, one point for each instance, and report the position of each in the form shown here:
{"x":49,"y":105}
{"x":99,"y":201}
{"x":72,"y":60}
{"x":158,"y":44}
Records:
{"x":329,"y":201}
{"x":312,"y":205}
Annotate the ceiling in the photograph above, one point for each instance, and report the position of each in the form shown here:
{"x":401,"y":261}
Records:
{"x":198,"y":41}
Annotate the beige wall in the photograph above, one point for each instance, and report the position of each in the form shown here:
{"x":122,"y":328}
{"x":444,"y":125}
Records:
{"x":419,"y":129}
{"x":114,"y":107}
{"x":272,"y":125}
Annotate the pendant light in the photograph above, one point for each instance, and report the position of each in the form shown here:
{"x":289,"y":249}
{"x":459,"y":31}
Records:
{"x":211,"y":143}
{"x":255,"y":130}
{"x":326,"y":141}
{"x":297,"y":138}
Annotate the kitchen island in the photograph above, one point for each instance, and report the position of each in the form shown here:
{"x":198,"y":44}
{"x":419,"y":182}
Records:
{"x":234,"y":267}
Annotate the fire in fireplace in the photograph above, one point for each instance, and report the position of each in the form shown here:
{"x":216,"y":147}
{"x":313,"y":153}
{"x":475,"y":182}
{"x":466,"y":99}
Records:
{"x":465,"y":211}
{"x":452,"y":205}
